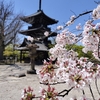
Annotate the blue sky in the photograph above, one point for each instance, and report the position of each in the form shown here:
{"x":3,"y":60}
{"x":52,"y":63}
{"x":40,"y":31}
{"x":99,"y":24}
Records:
{"x":60,"y":10}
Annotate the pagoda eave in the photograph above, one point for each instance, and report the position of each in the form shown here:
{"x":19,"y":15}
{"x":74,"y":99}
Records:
{"x":39,"y":17}
{"x":34,"y":32}
{"x":33,"y":29}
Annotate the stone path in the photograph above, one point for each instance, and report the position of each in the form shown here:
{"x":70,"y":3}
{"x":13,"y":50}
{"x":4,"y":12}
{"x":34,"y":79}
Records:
{"x":11,"y":85}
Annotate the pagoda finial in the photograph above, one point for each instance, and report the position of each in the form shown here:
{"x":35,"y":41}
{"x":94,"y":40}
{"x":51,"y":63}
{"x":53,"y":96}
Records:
{"x":39,"y":4}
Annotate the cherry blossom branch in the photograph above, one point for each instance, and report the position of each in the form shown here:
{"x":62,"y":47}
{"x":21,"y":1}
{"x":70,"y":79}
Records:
{"x":71,"y":46}
{"x":87,"y":12}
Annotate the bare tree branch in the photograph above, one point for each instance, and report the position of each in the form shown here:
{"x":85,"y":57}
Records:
{"x":10,"y":24}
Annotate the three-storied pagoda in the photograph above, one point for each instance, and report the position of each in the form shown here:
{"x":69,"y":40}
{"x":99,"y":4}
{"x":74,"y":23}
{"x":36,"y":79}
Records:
{"x":39,"y":22}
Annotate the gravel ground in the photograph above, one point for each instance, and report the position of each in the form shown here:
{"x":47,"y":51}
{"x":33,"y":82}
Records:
{"x":12,"y":86}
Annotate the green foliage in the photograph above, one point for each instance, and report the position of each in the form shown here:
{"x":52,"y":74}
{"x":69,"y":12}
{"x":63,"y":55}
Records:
{"x":78,"y":49}
{"x":26,"y":54}
{"x":51,"y":45}
{"x":9,"y":51}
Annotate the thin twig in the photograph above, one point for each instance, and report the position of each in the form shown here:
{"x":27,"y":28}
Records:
{"x":99,"y":48}
{"x":83,"y":92}
{"x":97,"y":2}
{"x":97,"y":86}
{"x":67,"y":91}
{"x":52,"y":83}
{"x":36,"y":97}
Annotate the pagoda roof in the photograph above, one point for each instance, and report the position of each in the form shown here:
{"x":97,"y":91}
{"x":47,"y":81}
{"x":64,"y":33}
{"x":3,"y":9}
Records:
{"x":36,"y":32}
{"x":39,"y":17}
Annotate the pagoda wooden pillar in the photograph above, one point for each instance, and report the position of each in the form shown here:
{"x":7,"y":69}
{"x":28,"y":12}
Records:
{"x":20,"y":56}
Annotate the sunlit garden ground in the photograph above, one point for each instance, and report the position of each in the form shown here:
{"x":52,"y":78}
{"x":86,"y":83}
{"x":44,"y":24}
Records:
{"x":11,"y":85}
